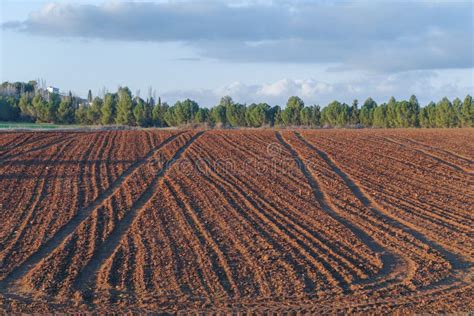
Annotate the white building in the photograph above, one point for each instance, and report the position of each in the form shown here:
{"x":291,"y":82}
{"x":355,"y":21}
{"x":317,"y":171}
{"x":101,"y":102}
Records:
{"x":53,"y":90}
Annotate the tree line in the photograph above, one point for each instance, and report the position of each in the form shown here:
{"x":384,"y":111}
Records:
{"x":26,"y":102}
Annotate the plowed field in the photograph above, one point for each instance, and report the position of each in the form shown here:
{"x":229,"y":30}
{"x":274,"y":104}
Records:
{"x":323,"y":221}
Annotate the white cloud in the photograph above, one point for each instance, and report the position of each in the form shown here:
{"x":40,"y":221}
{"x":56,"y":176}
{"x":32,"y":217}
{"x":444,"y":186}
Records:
{"x":380,"y":87}
{"x":276,"y":88}
{"x":304,"y":88}
{"x":383,"y":36}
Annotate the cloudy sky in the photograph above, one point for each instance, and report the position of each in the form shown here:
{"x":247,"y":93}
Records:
{"x":262,"y":51}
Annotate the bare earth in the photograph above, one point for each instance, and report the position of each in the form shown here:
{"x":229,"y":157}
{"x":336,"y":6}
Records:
{"x":325,"y":221}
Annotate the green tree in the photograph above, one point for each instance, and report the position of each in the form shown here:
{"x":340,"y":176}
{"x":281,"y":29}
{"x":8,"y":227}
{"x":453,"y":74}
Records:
{"x":445,"y":114}
{"x":457,"y":106}
{"x":94,"y":111}
{"x":305,"y":116}
{"x":258,"y":115}
{"x":108,"y":110}
{"x":81,"y":115}
{"x":170,"y":116}
{"x":52,"y":107}
{"x":404,"y":113}
{"x":391,"y":113}
{"x":185,"y":111}
{"x":142,"y":113}
{"x":366,"y":114}
{"x":380,"y":116}
{"x":427,"y":117}
{"x":202,"y":116}
{"x":235,"y":114}
{"x":26,"y":108}
{"x":275,"y":116}
{"x":124,"y":107}
{"x":9,"y":110}
{"x":336,"y":114}
{"x":158,"y":114}
{"x":66,"y":111}
{"x":41,"y":108}
{"x":414,"y":112}
{"x":316,"y":115}
{"x":291,"y":114}
{"x":218,"y":115}
{"x":354,"y":113}
{"x":226,"y":101}
{"x":467,"y":112}
{"x":401,"y":110}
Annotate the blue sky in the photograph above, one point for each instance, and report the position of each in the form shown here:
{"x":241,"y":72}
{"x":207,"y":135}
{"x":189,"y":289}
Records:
{"x":262,"y":51}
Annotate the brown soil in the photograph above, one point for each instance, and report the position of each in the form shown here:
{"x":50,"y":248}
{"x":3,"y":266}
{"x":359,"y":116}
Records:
{"x":260,"y":221}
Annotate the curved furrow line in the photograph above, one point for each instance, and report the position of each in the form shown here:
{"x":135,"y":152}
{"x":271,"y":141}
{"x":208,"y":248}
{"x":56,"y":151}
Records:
{"x":463,"y":222}
{"x":395,"y":204}
{"x":438,"y":216}
{"x":398,"y":237}
{"x":419,"y":180}
{"x":65,"y":137}
{"x":112,"y":275}
{"x":256,"y":157}
{"x":149,"y":138}
{"x":386,"y":255}
{"x":97,"y":159}
{"x":39,"y":193}
{"x":5,"y":148}
{"x":395,"y":190}
{"x":209,"y":246}
{"x":295,"y":215}
{"x":10,"y":138}
{"x":451,"y":240}
{"x":88,"y":275}
{"x":296,"y":263}
{"x":437,"y":149}
{"x":128,"y":267}
{"x":53,"y":262}
{"x":39,"y":182}
{"x":455,"y":260}
{"x":170,"y":238}
{"x":104,"y":170}
{"x":58,"y":169}
{"x":250,"y":243}
{"x":401,"y":268}
{"x":306,"y":235}
{"x":81,"y":215}
{"x":430,"y":215}
{"x":140,"y":276}
{"x":83,"y":166}
{"x":445,"y":179}
{"x":355,"y":192}
{"x":305,"y":250}
{"x":244,"y":244}
{"x":156,"y":250}
{"x":260,"y":225}
{"x":442,"y":177}
{"x":434,"y":157}
{"x":25,"y":166}
{"x":118,"y":151}
{"x":173,"y":236}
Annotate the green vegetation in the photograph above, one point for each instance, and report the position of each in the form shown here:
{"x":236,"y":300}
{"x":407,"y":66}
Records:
{"x":16,"y":125}
{"x":25,"y":102}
